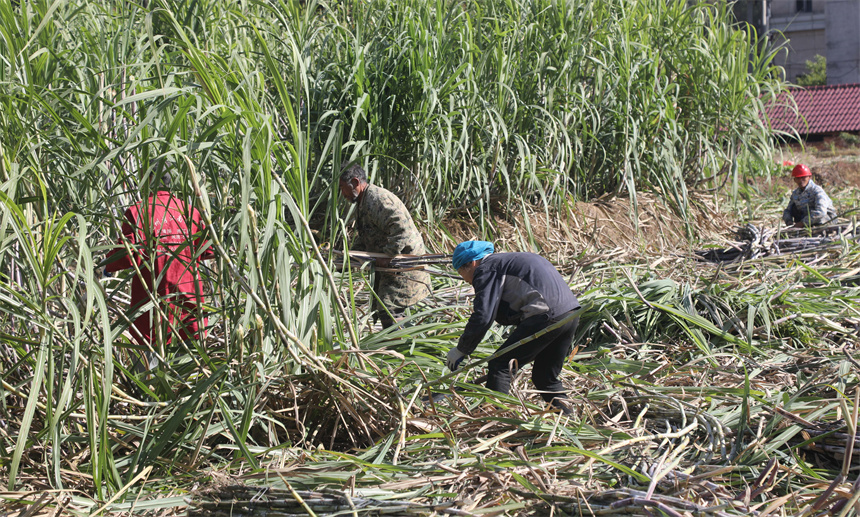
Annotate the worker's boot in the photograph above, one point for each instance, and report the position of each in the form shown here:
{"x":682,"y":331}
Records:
{"x":387,"y":320}
{"x":562,"y":405}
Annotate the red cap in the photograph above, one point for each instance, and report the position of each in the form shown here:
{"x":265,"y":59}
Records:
{"x":800,"y":171}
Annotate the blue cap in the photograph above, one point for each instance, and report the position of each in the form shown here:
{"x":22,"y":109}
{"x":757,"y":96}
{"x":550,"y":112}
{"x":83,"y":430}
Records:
{"x":468,"y":251}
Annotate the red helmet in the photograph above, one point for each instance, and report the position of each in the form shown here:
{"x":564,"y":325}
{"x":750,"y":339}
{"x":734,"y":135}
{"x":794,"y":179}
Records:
{"x":800,"y":171}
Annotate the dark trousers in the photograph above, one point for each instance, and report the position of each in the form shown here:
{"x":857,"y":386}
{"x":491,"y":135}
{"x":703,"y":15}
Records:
{"x":387,"y":321}
{"x":548,"y":353}
{"x":796,"y":214}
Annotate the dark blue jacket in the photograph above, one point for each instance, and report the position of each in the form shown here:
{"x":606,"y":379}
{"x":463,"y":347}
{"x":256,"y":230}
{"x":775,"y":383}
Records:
{"x":511,"y":287}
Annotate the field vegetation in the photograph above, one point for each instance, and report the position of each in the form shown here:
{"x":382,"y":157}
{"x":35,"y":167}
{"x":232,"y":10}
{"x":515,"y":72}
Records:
{"x":699,"y":389}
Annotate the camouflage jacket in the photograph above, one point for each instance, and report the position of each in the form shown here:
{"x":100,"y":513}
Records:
{"x":811,"y":204}
{"x":385,"y":226}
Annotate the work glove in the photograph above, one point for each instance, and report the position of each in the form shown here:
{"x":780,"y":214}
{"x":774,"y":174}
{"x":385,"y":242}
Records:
{"x":455,"y":357}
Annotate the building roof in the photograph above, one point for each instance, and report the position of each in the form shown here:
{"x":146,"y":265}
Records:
{"x":820,"y":110}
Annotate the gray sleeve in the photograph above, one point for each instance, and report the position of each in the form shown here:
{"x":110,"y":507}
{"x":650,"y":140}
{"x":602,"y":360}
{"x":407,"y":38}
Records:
{"x":818,"y":210}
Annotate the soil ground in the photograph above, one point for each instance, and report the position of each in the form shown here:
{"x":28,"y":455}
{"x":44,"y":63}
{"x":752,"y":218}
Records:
{"x":602,"y":227}
{"x":605,"y":227}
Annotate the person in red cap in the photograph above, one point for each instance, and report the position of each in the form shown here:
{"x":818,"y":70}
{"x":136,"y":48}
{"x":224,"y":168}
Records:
{"x":165,"y":237}
{"x":809,"y":204}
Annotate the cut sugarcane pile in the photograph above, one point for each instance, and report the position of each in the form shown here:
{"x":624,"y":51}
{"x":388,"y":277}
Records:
{"x":756,"y":243}
{"x":238,"y":500}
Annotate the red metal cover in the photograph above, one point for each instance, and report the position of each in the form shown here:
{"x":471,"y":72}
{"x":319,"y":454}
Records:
{"x":820,"y":109}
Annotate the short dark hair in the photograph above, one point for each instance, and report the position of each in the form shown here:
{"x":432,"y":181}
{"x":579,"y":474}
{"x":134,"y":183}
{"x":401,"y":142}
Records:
{"x":353,"y":170}
{"x":166,"y":181}
{"x":160,"y":175}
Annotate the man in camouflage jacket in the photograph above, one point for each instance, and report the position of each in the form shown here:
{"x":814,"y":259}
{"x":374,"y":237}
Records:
{"x":384,"y":226}
{"x":809,"y":205}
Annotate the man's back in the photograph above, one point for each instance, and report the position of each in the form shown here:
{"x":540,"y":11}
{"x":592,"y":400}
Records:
{"x":170,"y":229}
{"x":384,"y":225}
{"x":529,"y":284}
{"x":172,"y":225}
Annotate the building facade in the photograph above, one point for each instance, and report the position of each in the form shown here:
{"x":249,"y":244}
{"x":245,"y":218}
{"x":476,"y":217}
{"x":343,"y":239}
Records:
{"x":808,"y":28}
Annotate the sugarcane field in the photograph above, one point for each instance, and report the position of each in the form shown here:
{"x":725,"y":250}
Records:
{"x":411,"y":258}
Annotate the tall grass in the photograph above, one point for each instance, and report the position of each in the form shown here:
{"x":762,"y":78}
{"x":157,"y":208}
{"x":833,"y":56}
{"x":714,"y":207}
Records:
{"x":548,"y":99}
{"x":469,"y":101}
{"x":253,"y":106}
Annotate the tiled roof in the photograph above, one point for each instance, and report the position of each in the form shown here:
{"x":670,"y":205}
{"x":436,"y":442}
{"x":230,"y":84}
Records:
{"x":820,"y":109}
